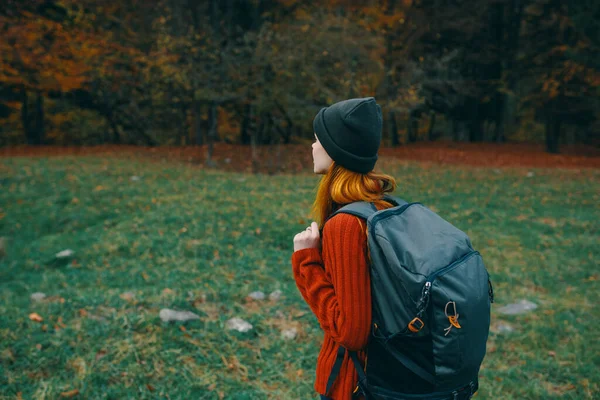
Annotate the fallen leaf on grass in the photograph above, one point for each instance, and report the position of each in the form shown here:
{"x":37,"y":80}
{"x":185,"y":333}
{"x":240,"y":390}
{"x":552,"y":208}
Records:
{"x":55,"y":299}
{"x":127,"y":296}
{"x":100,"y":354}
{"x":35,"y":317}
{"x":69,"y":394}
{"x":558,"y":389}
{"x":299,"y":314}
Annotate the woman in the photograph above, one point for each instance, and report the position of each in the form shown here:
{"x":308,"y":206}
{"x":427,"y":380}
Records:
{"x":333,"y":274}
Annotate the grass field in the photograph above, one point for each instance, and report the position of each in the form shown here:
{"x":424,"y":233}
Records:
{"x":186,"y":238}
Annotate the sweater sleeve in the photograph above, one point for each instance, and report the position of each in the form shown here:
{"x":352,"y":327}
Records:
{"x":337,"y":286}
{"x":302,"y":259}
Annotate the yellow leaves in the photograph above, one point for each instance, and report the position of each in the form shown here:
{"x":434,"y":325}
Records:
{"x":78,"y":365}
{"x":558,"y":389}
{"x":99,"y":188}
{"x":56,"y":57}
{"x":302,"y":14}
{"x":392,"y":20}
{"x":234,"y":365}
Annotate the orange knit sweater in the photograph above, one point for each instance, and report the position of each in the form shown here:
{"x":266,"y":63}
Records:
{"x":335,"y":282}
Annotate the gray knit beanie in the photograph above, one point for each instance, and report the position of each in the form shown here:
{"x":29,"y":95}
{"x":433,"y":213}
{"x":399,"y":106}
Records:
{"x":350,"y":132}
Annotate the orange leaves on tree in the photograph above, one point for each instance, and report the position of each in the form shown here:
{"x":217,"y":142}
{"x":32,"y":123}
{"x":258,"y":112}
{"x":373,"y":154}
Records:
{"x":43,"y":55}
{"x":39,"y":54}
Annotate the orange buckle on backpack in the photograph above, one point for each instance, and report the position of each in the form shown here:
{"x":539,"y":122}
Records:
{"x":416,"y":325}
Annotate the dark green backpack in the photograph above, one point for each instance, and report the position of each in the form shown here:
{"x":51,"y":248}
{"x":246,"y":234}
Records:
{"x":431,"y":298}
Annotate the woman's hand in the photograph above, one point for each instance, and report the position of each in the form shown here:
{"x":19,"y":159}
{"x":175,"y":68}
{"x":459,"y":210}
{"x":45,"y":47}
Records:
{"x":308,"y":239}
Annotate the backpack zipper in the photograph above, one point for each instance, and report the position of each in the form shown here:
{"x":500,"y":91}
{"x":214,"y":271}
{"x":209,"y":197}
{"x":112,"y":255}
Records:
{"x":442,"y":271}
{"x":424,"y":300}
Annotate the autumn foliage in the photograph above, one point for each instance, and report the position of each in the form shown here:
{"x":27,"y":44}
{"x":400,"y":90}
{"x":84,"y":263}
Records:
{"x":256,"y":72}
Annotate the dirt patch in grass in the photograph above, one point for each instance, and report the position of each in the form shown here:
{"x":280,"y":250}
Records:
{"x":295,"y":158}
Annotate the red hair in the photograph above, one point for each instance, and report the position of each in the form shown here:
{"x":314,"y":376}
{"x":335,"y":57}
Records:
{"x":340,"y":186}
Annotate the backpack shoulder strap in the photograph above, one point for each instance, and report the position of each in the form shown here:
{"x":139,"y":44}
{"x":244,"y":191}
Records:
{"x":397,"y":200}
{"x":363,"y":209}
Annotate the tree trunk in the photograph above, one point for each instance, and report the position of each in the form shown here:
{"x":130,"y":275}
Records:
{"x":393,"y":129}
{"x":25,"y":118}
{"x":40,"y":127}
{"x":260,"y":130}
{"x":244,"y":134}
{"x":278,"y":156}
{"x":183,"y":131}
{"x":267,"y":137}
{"x":553,"y":128}
{"x":389,"y":89}
{"x":212,"y":134}
{"x":413,"y":128}
{"x":115,"y":129}
{"x":353,"y":64}
{"x":431,"y":126}
{"x":253,"y":140}
{"x":506,"y":123}
{"x":494,"y":111}
{"x":476,"y":128}
{"x":289,"y":129}
{"x":455,"y":130}
{"x":198,"y":122}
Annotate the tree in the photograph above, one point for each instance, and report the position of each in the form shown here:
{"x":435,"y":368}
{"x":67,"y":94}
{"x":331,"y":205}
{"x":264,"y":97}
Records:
{"x":564,"y":81}
{"x":40,"y":54}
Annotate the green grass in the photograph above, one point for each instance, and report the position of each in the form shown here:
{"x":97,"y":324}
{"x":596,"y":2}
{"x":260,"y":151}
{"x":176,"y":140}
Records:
{"x":198,"y":240}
